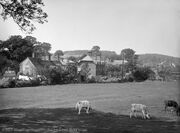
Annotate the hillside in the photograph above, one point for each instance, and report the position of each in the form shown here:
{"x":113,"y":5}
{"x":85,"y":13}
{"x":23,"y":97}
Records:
{"x":156,"y":59}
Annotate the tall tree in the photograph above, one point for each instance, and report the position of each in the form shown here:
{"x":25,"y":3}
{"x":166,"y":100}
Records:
{"x":58,"y":54}
{"x":95,"y":51}
{"x":41,"y":49}
{"x":130,"y":56}
{"x":127,"y":54}
{"x":95,"y":48}
{"x":46,"y":46}
{"x":31,"y":39}
{"x":17,"y":49}
{"x":24,"y":12}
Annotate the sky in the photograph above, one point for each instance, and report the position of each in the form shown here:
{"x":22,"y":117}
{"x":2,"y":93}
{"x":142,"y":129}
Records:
{"x":146,"y":26}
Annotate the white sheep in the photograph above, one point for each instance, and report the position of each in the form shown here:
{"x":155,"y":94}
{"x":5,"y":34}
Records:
{"x":83,"y":104}
{"x":139,"y":108}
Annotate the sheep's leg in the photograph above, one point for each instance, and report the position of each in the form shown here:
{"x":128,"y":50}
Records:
{"x":144,"y":114}
{"x":132,"y":113}
{"x":135,"y":114}
{"x":87,"y":110}
{"x":79,"y":111}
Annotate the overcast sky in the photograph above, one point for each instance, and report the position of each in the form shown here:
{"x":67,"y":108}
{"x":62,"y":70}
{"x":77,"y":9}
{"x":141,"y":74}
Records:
{"x":146,"y":26}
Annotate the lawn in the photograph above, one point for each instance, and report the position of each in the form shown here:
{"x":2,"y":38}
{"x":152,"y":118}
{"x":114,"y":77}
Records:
{"x":51,"y":108}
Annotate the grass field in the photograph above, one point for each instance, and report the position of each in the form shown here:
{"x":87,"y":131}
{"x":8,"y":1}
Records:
{"x":53,"y":106}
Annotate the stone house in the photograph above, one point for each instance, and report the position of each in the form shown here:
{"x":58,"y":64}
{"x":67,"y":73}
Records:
{"x":86,"y":68}
{"x":34,"y":66}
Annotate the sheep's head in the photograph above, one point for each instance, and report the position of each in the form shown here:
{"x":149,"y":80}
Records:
{"x":148,"y":116}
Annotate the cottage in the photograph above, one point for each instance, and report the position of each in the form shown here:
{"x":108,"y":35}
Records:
{"x":34,"y":66}
{"x":86,"y":68}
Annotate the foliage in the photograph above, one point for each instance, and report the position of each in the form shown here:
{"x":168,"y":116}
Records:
{"x":17,"y":48}
{"x":165,"y":72}
{"x":95,"y":51}
{"x":27,"y":83}
{"x":72,"y":58}
{"x":3,"y":63}
{"x":41,"y":49}
{"x":129,"y":55}
{"x":7,"y":83}
{"x":62,"y":76}
{"x":24,"y":12}
{"x":91,"y":80}
{"x":101,"y":69}
{"x":113,"y":71}
{"x":95,"y":48}
{"x":71,"y":72}
{"x":58,"y":54}
{"x":85,"y":71}
{"x":142,"y":73}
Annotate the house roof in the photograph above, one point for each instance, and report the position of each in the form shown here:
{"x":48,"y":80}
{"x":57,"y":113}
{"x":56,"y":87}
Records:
{"x":87,"y":58}
{"x":38,"y":63}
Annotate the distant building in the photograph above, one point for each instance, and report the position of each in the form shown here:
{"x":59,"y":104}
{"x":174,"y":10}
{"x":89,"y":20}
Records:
{"x":34,"y":66}
{"x":90,"y":64}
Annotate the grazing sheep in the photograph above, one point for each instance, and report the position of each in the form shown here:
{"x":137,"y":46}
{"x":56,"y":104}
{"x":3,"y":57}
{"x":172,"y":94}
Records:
{"x":83,"y":104}
{"x":139,"y":108}
{"x":170,"y":103}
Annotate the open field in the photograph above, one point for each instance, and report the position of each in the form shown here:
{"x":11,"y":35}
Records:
{"x":110,"y":103}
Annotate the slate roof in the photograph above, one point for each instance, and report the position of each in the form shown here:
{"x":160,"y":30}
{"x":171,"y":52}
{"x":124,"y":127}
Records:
{"x":87,"y":58}
{"x":38,"y":63}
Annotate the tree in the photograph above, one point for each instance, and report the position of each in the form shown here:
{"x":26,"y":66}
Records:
{"x":46,"y":46}
{"x":3,"y":63}
{"x":95,"y":51}
{"x":85,"y":71}
{"x":95,"y":48}
{"x":16,"y":48}
{"x":24,"y":12}
{"x":72,"y":58}
{"x":41,"y":49}
{"x":129,"y":55}
{"x":58,"y":54}
{"x":31,"y":39}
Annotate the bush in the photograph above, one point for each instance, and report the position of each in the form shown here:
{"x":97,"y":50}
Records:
{"x":35,"y":82}
{"x":7,"y":83}
{"x":142,"y":74}
{"x":91,"y":80}
{"x":25,"y":83}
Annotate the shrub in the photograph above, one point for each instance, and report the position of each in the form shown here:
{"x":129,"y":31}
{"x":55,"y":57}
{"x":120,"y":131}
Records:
{"x":142,"y":74}
{"x":35,"y":82}
{"x":7,"y":83}
{"x":21,"y":83}
{"x":91,"y":80}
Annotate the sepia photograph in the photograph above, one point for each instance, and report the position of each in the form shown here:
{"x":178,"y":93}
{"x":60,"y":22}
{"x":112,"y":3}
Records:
{"x":89,"y":66}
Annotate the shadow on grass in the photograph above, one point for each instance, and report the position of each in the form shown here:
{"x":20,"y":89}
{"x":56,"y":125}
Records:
{"x":66,"y":120}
